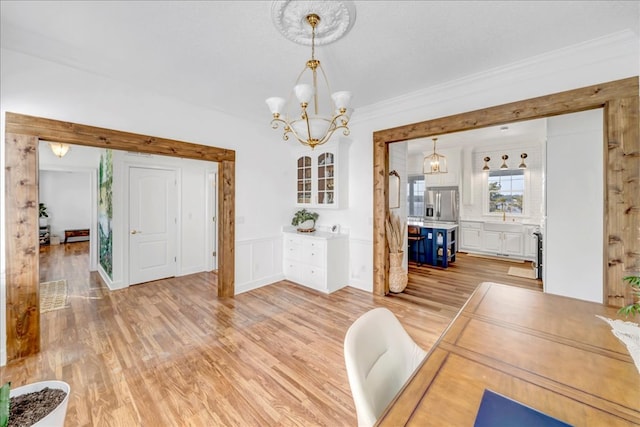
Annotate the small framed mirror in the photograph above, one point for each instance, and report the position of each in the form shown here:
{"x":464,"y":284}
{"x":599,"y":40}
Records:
{"x":394,"y":190}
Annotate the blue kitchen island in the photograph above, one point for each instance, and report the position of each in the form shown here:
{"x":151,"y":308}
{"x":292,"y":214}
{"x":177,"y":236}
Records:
{"x":439,"y":244}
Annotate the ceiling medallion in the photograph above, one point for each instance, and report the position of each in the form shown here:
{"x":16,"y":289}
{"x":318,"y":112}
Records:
{"x":290,"y":18}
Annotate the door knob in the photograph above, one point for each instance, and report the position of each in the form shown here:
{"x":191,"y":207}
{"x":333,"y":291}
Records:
{"x":135,"y":231}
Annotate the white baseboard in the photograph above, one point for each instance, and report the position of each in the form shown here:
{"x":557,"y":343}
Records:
{"x":245,"y":287}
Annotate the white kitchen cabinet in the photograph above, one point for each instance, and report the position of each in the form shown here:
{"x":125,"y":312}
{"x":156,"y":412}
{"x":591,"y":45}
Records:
{"x":317,"y":260}
{"x":502,"y":239}
{"x":470,"y":236}
{"x":321,"y":178}
{"x":530,"y":242}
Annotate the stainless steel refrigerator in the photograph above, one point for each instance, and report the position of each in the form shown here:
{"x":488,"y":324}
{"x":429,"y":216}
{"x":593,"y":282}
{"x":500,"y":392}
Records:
{"x":442,"y":204}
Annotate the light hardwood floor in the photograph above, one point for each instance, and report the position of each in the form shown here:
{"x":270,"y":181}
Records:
{"x":172,"y":353}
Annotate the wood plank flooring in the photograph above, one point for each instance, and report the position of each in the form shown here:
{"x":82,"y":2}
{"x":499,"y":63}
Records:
{"x":446,"y":290}
{"x":171,"y":352}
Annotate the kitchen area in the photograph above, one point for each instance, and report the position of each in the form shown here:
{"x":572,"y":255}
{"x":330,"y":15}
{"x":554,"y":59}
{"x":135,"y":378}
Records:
{"x":488,"y":203}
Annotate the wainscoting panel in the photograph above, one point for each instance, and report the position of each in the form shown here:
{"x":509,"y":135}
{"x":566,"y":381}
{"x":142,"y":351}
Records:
{"x":258,"y":263}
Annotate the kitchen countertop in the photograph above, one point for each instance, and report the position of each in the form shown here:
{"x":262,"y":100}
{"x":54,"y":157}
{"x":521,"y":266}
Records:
{"x":433,"y":224}
{"x":318,"y":234}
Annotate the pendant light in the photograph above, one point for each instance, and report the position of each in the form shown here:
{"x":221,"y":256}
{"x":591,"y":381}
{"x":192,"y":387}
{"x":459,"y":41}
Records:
{"x":434,"y":163}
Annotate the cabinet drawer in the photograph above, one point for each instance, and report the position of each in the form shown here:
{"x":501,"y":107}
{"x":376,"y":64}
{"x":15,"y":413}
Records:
{"x":315,"y":253}
{"x":292,"y":249}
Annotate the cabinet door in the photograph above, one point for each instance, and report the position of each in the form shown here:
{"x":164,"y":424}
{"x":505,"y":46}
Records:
{"x":470,"y":238}
{"x":512,"y":243}
{"x":492,"y":241}
{"x":304,"y":180}
{"x":315,"y":277}
{"x":530,"y":243}
{"x":326,"y":173}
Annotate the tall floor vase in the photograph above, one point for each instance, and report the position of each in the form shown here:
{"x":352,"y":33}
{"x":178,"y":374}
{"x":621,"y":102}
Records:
{"x":398,"y":277}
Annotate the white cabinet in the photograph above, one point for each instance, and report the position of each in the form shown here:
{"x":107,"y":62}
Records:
{"x":530,"y":242}
{"x":502,"y":239}
{"x":321,"y":176}
{"x":470,"y":236}
{"x":317,"y":260}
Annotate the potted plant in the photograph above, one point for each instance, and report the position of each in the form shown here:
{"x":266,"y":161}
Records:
{"x":395,"y":229}
{"x":305,"y":220}
{"x":632,"y":309}
{"x":43,"y":214}
{"x":38,"y":404}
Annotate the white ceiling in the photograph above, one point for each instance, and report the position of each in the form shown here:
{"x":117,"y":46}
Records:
{"x":228,"y":56}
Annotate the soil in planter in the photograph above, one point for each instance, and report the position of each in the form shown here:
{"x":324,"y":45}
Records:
{"x":27,"y":409}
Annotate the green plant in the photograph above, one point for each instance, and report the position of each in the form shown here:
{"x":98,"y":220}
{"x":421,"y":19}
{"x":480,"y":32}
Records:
{"x":5,"y":400}
{"x":633,"y":308}
{"x":42,"y":208}
{"x":304,"y":215}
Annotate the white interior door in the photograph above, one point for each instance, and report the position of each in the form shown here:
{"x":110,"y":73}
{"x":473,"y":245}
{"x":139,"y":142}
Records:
{"x":212,"y":259}
{"x":153,"y":216}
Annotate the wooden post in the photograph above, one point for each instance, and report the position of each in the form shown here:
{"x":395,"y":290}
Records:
{"x":22,"y":246}
{"x":226,"y":229}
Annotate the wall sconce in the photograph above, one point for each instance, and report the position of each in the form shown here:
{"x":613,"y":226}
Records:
{"x":59,"y":148}
{"x":486,"y":164}
{"x":504,"y":162}
{"x":522,"y":165}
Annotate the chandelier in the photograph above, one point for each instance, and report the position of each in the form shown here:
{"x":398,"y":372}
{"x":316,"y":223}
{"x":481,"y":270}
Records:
{"x":308,"y":125}
{"x":434,"y":163}
{"x":59,"y":148}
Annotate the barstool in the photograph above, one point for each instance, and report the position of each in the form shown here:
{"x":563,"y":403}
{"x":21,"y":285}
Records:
{"x":414,"y":236}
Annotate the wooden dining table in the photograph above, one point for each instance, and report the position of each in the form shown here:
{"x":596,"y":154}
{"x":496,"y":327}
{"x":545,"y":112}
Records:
{"x":548,"y":352}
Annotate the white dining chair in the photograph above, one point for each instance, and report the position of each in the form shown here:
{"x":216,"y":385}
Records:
{"x":380,"y":356}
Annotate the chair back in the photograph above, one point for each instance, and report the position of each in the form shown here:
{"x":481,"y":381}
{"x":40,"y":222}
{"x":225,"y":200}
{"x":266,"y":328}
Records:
{"x":380,"y":356}
{"x":412,"y":230}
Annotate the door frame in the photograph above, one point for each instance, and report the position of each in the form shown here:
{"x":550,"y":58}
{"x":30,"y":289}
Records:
{"x":621,"y":178}
{"x":22,"y":135}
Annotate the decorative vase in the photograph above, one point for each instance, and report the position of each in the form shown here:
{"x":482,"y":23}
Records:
{"x":307,"y":226}
{"x":398,"y":277}
{"x":43,"y":221}
{"x":56,"y":417}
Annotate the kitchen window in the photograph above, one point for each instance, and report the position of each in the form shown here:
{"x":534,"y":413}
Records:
{"x":506,"y":192}
{"x":415,"y":195}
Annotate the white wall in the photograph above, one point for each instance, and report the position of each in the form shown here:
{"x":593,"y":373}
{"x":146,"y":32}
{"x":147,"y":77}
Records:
{"x":573,"y":234}
{"x":67,"y":196}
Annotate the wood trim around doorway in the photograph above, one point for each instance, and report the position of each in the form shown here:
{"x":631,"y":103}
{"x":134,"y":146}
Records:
{"x":621,"y":164}
{"x":22,"y":134}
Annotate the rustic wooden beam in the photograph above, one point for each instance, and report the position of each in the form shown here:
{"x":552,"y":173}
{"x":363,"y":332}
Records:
{"x":622,"y":198}
{"x":585,"y":98}
{"x":226,"y":228}
{"x":21,"y":241}
{"x":73,"y":133}
{"x":380,"y":204}
{"x":622,"y":213}
{"x":22,"y":134}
